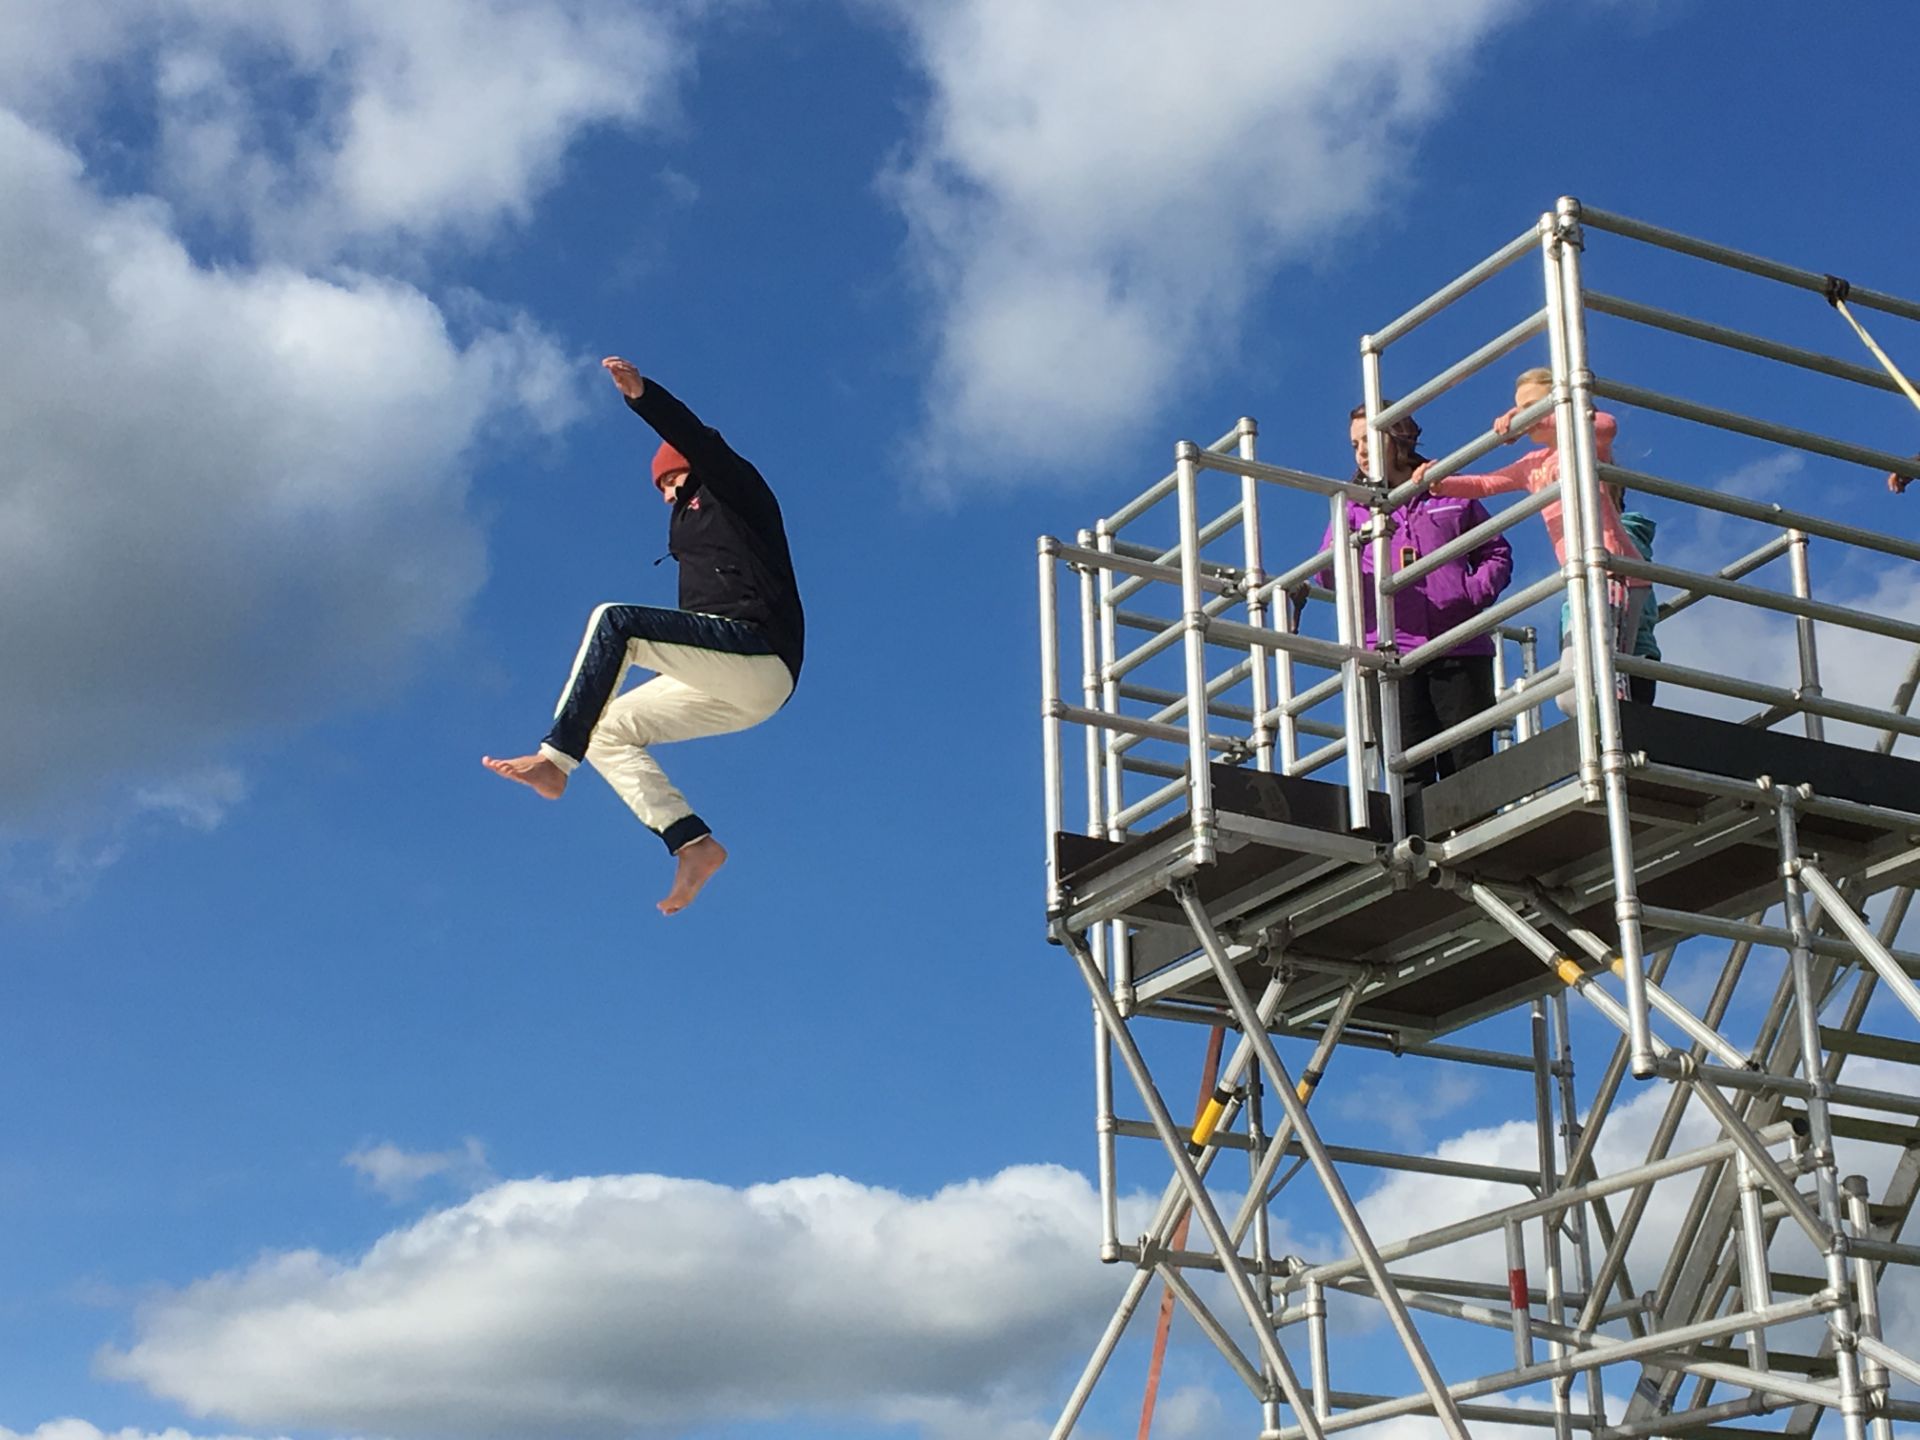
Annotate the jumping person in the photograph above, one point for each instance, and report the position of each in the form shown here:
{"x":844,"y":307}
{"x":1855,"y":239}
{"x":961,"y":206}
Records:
{"x":725,"y":660}
{"x":1459,"y":684}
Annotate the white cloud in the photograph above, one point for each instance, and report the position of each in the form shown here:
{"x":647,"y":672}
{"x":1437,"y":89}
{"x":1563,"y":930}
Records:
{"x":1098,"y":186}
{"x":316,"y":127}
{"x":398,"y":1173}
{"x":1422,"y":1427}
{"x":642,"y":1303}
{"x":232,"y":497}
{"x":1189,"y":1412}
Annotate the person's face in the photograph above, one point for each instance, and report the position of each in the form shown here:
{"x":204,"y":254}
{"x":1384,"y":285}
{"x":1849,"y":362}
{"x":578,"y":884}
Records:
{"x":1532,"y":393}
{"x":1397,"y":468}
{"x":669,"y":484}
{"x":1357,"y":433}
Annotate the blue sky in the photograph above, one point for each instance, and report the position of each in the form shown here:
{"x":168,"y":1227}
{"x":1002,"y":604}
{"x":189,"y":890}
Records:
{"x":311,"y":479}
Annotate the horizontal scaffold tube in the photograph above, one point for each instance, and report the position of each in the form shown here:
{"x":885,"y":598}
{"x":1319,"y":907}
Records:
{"x":1740,"y":260}
{"x":1735,"y":570}
{"x":1794,"y":701}
{"x":1859,"y":1095}
{"x":1485,"y":443}
{"x":1326,"y":652}
{"x":1281,"y":475}
{"x":1764,"y":599}
{"x":1160,"y":489}
{"x":1688,"y":922}
{"x":1522,"y":245}
{"x":1304,"y":701}
{"x":1562,"y":1199}
{"x":1174,"y":707}
{"x":1613,"y":1352}
{"x":1739,"y":340}
{"x":1142,"y":569}
{"x":1503,"y":344}
{"x":1764,"y":511}
{"x":1471,"y":540}
{"x":1487,"y":620}
{"x":1522,"y":699}
{"x":1807,"y":440}
{"x":1145,"y":729}
{"x":1209,"y":532}
{"x":1500,"y":1318}
{"x":1375,"y":1159}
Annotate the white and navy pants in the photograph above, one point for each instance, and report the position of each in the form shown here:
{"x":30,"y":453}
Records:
{"x":711,"y":676}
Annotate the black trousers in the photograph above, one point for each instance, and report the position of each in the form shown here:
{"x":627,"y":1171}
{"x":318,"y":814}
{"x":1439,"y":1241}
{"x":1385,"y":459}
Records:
{"x":1438,"y":696}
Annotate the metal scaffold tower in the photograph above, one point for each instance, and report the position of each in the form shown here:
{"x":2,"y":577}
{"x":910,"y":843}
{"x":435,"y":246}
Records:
{"x":1256,"y":861}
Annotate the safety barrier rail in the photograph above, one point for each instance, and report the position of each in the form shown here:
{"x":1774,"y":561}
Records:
{"x":1193,"y":651}
{"x":1225,"y":670}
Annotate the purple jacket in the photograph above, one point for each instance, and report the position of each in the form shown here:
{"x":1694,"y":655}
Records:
{"x":1446,"y":597}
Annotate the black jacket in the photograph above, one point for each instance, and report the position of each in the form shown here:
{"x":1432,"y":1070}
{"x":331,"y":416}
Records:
{"x":727,"y":532}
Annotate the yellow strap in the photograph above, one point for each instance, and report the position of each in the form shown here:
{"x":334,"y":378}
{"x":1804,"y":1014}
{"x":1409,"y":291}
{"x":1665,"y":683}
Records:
{"x":1879,"y":354}
{"x":1304,"y":1086}
{"x":1569,"y":972}
{"x":1208,"y":1122}
{"x":1619,"y":966}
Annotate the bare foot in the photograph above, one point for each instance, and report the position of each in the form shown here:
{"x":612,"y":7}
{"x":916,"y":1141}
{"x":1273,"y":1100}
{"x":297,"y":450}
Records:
{"x":536,"y":772}
{"x":698,"y":860}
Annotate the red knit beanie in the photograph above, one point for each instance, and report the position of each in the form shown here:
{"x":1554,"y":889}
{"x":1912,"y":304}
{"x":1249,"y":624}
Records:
{"x":666,"y":460}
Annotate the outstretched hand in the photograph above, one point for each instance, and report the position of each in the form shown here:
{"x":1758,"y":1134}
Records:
{"x":1504,"y":425}
{"x":1420,"y":472}
{"x":628,"y":379}
{"x":1898,"y":483}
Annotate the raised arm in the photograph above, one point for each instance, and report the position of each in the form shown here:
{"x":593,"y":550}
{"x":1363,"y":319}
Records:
{"x":715,"y":464}
{"x":1476,"y":487}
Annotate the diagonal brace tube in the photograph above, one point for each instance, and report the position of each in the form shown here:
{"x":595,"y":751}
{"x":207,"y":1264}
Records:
{"x":1336,"y":1191}
{"x":1176,"y":1146}
{"x":1875,"y":954}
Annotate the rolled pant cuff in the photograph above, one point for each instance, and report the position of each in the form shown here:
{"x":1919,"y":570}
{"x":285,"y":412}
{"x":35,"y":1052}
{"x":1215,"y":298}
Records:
{"x":683,"y":832}
{"x":567,"y":763}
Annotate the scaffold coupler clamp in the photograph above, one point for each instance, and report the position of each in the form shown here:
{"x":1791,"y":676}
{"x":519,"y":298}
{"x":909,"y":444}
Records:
{"x":1407,"y":859}
{"x":1566,"y":223}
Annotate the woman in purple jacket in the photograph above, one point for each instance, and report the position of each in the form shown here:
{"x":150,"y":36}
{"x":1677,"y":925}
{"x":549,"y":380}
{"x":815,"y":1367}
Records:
{"x":1455,"y":686}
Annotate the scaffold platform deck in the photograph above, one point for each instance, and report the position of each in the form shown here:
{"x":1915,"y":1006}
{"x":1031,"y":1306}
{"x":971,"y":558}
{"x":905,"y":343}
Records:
{"x":1703,"y":844}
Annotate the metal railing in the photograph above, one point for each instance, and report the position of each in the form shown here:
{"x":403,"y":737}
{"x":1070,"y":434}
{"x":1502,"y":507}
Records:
{"x":1218,"y":666}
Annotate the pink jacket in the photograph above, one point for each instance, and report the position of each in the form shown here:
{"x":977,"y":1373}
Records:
{"x":1538,"y":469}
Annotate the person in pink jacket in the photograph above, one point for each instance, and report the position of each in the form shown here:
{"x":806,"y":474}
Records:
{"x":1539,"y":468}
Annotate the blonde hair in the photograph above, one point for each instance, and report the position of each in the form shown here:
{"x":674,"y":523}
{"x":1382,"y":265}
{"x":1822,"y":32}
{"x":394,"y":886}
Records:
{"x":1538,"y":375}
